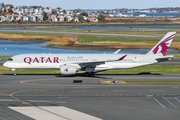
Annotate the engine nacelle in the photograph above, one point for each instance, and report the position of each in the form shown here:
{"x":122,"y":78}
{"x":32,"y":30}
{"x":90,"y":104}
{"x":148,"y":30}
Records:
{"x":67,"y":69}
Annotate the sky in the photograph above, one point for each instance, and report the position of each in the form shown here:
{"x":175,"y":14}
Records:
{"x":96,"y":4}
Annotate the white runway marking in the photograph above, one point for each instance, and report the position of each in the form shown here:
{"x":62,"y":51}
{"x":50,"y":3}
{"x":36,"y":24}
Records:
{"x":159,"y":103}
{"x":177,"y":99}
{"x":53,"y":113}
{"x":169,"y":102}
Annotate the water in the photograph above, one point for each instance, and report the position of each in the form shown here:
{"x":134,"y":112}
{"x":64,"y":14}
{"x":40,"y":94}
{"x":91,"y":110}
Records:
{"x":9,"y":47}
{"x":158,"y":14}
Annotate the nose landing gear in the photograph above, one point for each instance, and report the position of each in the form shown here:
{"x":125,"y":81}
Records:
{"x":14,"y":71}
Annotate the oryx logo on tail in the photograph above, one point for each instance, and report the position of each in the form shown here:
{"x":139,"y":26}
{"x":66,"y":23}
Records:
{"x":162,"y":47}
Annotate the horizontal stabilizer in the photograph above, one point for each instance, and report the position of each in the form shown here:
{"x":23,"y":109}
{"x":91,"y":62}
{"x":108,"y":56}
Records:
{"x":164,"y":58}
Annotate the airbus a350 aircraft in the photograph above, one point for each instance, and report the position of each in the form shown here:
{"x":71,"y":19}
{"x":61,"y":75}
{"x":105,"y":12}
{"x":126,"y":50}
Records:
{"x":69,"y":64}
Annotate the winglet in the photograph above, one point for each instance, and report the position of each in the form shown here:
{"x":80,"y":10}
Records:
{"x":162,"y":47}
{"x":117,"y":51}
{"x":122,"y":58}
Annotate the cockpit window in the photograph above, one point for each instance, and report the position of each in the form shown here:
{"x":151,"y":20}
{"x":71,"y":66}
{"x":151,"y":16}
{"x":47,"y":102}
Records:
{"x":10,"y":59}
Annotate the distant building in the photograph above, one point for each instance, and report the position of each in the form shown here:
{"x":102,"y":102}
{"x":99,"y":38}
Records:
{"x":174,"y":18}
{"x":25,"y":18}
{"x":93,"y":19}
{"x":2,"y":18}
{"x":142,"y":15}
{"x":32,"y":18}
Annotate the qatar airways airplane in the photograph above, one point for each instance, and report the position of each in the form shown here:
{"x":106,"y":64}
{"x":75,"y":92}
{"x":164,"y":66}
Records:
{"x":69,"y":64}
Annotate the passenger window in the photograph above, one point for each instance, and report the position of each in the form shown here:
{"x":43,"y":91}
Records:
{"x":10,"y":59}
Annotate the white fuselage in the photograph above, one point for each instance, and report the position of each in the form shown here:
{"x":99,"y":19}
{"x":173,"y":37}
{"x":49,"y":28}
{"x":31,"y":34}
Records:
{"x":102,"y":61}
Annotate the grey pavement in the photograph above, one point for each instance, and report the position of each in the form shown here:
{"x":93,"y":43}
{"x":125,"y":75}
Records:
{"x":108,"y":102}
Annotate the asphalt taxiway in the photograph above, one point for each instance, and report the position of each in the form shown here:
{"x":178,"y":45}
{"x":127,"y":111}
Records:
{"x":52,"y":95}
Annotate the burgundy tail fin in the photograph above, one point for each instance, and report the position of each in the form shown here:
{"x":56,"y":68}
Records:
{"x":162,"y":47}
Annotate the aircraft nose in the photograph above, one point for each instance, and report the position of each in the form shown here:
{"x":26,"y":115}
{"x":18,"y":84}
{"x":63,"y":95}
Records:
{"x":5,"y":64}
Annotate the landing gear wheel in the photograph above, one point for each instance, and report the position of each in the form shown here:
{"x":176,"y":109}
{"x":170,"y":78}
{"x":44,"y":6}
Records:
{"x":89,"y":71}
{"x":14,"y":70}
{"x":92,"y":74}
{"x":87,"y":74}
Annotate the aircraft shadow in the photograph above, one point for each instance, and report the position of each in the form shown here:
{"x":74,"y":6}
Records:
{"x":98,"y":75}
{"x":82,"y":75}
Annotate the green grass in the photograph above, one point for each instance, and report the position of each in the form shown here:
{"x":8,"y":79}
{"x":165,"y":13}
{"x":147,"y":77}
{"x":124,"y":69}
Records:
{"x":4,"y":57}
{"x":176,"y":55}
{"x":152,"y":69}
{"x":87,"y":39}
{"x":97,"y":39}
{"x":4,"y":70}
{"x":117,"y":39}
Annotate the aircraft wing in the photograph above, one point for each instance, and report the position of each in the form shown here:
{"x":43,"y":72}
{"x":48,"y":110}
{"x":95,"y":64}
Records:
{"x":117,"y":51}
{"x":91,"y":64}
{"x":95,"y":63}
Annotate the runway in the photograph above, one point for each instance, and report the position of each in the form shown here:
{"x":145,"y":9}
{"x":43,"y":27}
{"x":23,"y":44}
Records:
{"x":53,"y":94}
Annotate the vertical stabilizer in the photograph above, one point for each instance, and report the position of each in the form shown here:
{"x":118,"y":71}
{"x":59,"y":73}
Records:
{"x":162,"y":47}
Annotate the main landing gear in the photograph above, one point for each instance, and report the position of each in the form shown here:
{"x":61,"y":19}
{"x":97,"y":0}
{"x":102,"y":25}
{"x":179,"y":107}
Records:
{"x":89,"y":72}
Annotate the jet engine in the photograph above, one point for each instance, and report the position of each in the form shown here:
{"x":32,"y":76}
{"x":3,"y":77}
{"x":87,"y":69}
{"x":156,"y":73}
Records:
{"x":68,"y":69}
